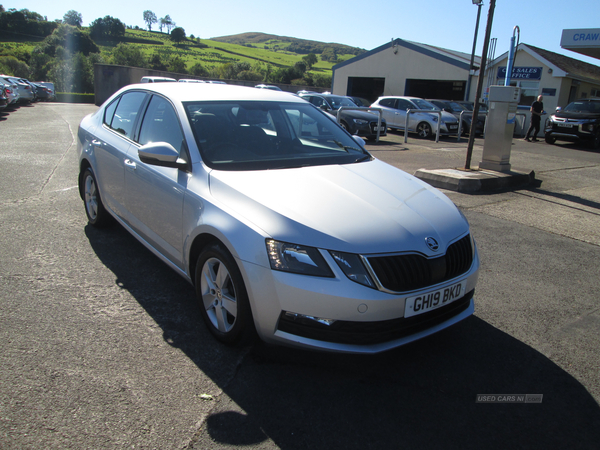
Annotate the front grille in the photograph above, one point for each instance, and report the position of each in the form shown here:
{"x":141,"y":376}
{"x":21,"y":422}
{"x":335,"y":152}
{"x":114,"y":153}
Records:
{"x":369,"y":333}
{"x":401,"y":273}
{"x":374,"y":127}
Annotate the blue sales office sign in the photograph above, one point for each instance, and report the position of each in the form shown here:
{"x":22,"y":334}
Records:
{"x":522,"y":73}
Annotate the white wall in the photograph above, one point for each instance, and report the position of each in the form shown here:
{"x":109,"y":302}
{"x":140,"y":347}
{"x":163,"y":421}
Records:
{"x":396,"y":68}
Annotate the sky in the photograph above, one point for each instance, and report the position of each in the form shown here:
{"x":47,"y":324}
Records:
{"x":448,"y":24}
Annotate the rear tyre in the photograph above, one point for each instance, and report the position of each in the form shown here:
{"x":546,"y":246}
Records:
{"x":465,"y":129}
{"x":595,"y":143}
{"x":222,"y":296}
{"x":424,"y":130}
{"x":94,"y":208}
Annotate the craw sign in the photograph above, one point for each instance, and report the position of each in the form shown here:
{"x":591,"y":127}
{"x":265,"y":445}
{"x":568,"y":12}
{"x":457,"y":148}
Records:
{"x":522,"y":73}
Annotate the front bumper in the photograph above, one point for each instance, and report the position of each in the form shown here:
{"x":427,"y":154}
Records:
{"x":370,"y":129}
{"x":339,"y":315}
{"x":571,"y":131}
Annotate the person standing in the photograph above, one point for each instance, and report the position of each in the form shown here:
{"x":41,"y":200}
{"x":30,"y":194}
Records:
{"x":537,"y":109}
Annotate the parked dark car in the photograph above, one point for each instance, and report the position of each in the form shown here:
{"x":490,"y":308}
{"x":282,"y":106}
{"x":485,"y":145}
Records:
{"x":359,"y":123}
{"x":455,"y":108}
{"x":42,"y":92}
{"x":579,"y":121}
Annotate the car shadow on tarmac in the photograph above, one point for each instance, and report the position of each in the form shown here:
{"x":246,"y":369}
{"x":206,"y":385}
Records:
{"x":422,"y":395}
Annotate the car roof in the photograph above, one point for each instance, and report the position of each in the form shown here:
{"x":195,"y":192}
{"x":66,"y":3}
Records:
{"x":402,"y":96}
{"x":185,"y":92}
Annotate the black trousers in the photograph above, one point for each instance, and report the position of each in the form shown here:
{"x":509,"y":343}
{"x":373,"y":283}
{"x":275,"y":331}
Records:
{"x":534,"y":125}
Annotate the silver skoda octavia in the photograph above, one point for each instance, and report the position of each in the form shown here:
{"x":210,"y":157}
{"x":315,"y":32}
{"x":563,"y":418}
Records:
{"x":284,"y":224}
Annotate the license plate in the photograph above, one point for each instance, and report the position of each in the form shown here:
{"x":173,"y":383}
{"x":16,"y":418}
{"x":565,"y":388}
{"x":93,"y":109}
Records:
{"x":453,"y":127}
{"x":564,"y":125}
{"x":380,"y":128}
{"x":429,"y":301}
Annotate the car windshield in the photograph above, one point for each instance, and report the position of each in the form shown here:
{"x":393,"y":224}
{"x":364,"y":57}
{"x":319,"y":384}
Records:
{"x":457,"y":107}
{"x":255,"y":135}
{"x":338,"y":101}
{"x":424,"y":104}
{"x":583,"y":106}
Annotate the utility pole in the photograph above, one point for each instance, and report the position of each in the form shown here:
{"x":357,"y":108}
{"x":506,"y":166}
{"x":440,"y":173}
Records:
{"x":486,"y":44}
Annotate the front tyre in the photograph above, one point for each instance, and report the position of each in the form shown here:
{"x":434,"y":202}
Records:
{"x":549,"y":139}
{"x":94,"y":208}
{"x":424,"y":130}
{"x":222,"y":296}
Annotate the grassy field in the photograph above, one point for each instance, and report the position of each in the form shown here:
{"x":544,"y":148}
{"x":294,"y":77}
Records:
{"x":213,"y":53}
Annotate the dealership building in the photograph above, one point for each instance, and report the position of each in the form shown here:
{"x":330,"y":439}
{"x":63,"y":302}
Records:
{"x":408,"y":68}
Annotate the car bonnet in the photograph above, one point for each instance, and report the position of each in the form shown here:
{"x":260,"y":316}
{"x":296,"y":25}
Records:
{"x":367,"y":207}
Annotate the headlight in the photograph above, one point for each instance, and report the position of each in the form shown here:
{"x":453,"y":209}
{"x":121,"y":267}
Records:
{"x":434,"y":118}
{"x":353,"y":267}
{"x":360,"y":121}
{"x":297,"y":259}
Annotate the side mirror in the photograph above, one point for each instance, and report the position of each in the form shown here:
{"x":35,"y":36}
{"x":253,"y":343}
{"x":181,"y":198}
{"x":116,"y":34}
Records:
{"x":324,"y":107}
{"x":161,"y":154}
{"x":558,"y":109}
{"x":360,"y":141}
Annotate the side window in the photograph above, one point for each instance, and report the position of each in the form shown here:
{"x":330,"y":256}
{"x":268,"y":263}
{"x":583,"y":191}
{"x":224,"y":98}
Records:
{"x":126,"y":113}
{"x":403,"y":105}
{"x":161,"y":124}
{"x":317,"y":101}
{"x":388,"y":102}
{"x":109,"y":112}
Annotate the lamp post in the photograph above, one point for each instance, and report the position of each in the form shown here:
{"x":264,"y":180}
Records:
{"x":479,"y":4}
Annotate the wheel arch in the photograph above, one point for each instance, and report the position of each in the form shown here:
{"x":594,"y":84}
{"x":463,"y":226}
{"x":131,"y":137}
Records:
{"x":83,"y":165}
{"x":199,"y":243}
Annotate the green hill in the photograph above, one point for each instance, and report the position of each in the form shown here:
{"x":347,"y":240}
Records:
{"x":256,"y":57}
{"x":294,"y":45}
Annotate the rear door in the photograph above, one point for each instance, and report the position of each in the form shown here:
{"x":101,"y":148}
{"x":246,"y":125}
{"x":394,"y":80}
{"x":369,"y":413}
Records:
{"x":111,"y":146}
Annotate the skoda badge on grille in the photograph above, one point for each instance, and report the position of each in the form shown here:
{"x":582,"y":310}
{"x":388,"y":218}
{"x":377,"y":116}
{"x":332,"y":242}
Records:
{"x":432,"y":244}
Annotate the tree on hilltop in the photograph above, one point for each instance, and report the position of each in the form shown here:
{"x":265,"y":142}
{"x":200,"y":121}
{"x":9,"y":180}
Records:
{"x":166,"y":22}
{"x":178,"y":35}
{"x":150,"y":18}
{"x":73,"y":18}
{"x":107,"y":28}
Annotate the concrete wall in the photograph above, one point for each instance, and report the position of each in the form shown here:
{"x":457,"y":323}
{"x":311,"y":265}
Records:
{"x":108,"y":79}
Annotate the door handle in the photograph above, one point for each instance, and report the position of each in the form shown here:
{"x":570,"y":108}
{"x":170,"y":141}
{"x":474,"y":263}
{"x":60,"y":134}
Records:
{"x":130,"y":164}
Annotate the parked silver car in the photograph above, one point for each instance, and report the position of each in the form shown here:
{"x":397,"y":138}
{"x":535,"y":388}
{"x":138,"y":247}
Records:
{"x":12,"y":90}
{"x":284,"y":223}
{"x":423,"y":123}
{"x":26,"y":92}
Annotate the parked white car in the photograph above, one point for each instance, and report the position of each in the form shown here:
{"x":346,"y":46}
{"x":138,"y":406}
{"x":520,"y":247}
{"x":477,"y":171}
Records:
{"x":285,"y":225}
{"x":423,"y":123}
{"x":157,"y":80}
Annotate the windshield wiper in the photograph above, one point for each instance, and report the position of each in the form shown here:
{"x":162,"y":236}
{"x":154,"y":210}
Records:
{"x":366,"y":157}
{"x":347,"y":147}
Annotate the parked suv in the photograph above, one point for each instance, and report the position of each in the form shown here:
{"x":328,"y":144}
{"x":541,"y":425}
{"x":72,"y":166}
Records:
{"x":359,"y":123}
{"x":579,"y":121}
{"x":422,"y":123}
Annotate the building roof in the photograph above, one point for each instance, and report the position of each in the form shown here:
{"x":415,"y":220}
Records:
{"x":573,"y":67}
{"x":452,"y":57}
{"x":567,"y":67}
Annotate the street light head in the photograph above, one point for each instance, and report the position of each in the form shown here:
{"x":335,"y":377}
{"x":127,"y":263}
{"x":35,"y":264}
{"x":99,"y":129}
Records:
{"x":478,"y":2}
